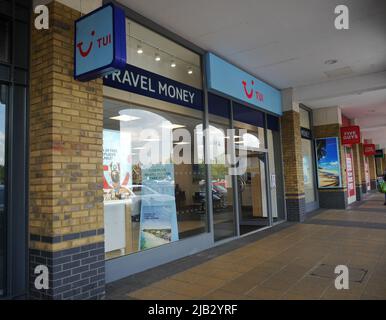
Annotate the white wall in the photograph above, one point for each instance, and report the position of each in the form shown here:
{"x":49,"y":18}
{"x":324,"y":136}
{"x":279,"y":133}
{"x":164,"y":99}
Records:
{"x":326,"y":116}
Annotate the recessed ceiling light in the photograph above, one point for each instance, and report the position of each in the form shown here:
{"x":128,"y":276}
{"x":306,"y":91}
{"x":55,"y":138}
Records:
{"x":173,"y":64}
{"x":190,"y":71}
{"x":157,"y":57}
{"x":173,"y":126}
{"x":139,"y":49}
{"x":124,"y":117}
{"x":330,"y":61}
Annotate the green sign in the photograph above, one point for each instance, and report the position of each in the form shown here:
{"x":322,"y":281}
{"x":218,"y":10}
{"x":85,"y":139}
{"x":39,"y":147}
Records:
{"x":379,"y":153}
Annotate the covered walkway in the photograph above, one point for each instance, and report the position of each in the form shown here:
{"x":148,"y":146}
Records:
{"x":289,"y":261}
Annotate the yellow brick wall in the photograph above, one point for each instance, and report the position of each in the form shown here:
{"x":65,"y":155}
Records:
{"x":372,"y":168}
{"x":292,"y":154}
{"x":362,"y":162}
{"x":66,"y":123}
{"x":357,"y":164}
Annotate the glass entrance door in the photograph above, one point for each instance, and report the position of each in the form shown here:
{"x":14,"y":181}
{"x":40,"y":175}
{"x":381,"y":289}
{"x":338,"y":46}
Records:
{"x":252,"y":182}
{"x":3,"y":103}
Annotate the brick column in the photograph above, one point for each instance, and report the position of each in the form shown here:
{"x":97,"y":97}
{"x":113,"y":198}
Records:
{"x":65,"y":184}
{"x":357,"y":170}
{"x":335,"y":198}
{"x":373,"y":172}
{"x":384,"y":163}
{"x":293,"y":166}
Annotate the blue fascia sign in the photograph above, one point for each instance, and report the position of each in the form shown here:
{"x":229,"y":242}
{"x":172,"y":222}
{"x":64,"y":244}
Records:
{"x":149,"y":84}
{"x":100,"y":43}
{"x":225,"y":78}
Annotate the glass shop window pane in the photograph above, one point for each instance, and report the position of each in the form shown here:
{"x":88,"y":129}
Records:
{"x":5,"y":32}
{"x":22,"y":13}
{"x":148,"y":50}
{"x":3,"y":106}
{"x":21,"y":44}
{"x":5,"y":73}
{"x":6,"y":7}
{"x":154,"y":177}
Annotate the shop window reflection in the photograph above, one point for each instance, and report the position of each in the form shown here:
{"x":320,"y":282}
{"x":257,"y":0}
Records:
{"x":150,"y":197}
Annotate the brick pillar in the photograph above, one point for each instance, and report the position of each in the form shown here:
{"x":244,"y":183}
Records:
{"x":335,"y":198}
{"x":358,"y":171}
{"x":384,"y":164}
{"x":373,"y":172}
{"x":362,"y":167}
{"x":293,"y":166}
{"x":65,"y":184}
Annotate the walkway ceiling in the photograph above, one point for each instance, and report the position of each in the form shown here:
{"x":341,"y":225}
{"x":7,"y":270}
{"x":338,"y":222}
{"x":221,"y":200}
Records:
{"x":287,"y":43}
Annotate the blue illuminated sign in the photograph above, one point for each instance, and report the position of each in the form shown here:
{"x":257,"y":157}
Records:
{"x":100,"y":43}
{"x":225,"y":78}
{"x":149,"y":84}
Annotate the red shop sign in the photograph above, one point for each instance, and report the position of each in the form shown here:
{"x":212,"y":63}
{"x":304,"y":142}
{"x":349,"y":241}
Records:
{"x":350,"y":135}
{"x":369,"y":149}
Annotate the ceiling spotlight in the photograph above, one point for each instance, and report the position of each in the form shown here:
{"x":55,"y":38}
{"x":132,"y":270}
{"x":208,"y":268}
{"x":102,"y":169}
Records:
{"x":330,"y":61}
{"x":157,"y":57}
{"x":173,"y":64}
{"x":190,"y":71}
{"x":139,"y":49}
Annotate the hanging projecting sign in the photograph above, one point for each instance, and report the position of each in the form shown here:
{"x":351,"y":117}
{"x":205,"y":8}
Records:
{"x":149,"y":84}
{"x":379,"y":153}
{"x":369,"y":149}
{"x":227,"y":79}
{"x":100,"y":43}
{"x":350,"y":135}
{"x":306,"y":133}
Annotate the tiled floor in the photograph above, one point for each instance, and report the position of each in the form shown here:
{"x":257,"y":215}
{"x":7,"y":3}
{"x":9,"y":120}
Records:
{"x":290,"y":261}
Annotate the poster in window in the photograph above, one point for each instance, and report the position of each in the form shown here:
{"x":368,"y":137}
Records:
{"x":116,"y":165}
{"x":158,"y":220}
{"x":327,"y":155}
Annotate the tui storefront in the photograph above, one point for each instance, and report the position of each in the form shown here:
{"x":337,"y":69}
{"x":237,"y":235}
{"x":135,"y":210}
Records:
{"x":169,"y":133}
{"x":154,"y":159}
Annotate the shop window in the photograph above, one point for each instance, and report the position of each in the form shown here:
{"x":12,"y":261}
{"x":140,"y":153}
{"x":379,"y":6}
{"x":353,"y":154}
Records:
{"x":153,"y":52}
{"x":3,"y":104}
{"x":4,"y":41}
{"x":154,"y":177}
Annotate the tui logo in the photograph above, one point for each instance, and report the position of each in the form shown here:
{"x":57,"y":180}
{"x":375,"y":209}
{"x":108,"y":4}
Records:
{"x":251,"y":92}
{"x":85,"y":53}
{"x":100,"y":42}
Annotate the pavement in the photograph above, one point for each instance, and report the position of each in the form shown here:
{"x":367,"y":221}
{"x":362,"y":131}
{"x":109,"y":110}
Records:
{"x":291,"y":261}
